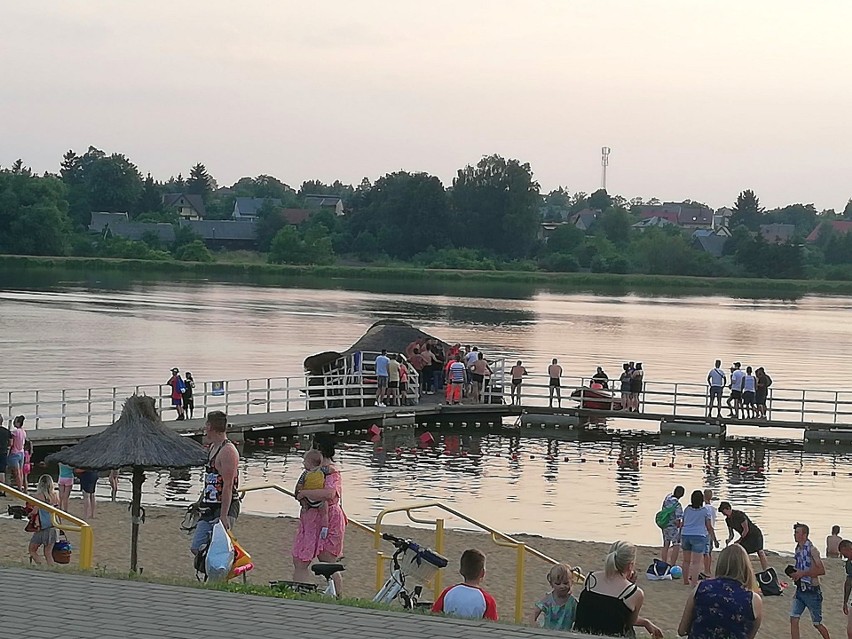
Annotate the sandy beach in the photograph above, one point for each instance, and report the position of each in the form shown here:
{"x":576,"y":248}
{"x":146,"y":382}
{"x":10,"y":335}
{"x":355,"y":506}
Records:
{"x":164,"y":552}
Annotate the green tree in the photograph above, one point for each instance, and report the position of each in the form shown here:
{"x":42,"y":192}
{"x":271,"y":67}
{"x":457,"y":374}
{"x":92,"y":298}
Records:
{"x":496,"y":204}
{"x":847,"y":210}
{"x":269,"y":222}
{"x":33,"y":213}
{"x":615,"y":225}
{"x":406,"y":212}
{"x":199,"y":182}
{"x":565,"y":239}
{"x":195,"y":251}
{"x":600,"y":200}
{"x":289,"y":246}
{"x":747,"y":210}
{"x":100,"y":182}
{"x":151,"y":199}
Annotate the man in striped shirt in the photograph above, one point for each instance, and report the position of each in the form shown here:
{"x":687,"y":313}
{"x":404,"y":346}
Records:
{"x":457,"y":378}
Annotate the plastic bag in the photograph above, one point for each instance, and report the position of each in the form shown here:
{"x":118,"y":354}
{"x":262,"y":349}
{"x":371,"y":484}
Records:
{"x":220,"y":554}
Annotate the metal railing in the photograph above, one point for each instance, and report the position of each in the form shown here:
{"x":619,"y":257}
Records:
{"x":499,"y":538}
{"x":66,"y":521}
{"x":101,"y":406}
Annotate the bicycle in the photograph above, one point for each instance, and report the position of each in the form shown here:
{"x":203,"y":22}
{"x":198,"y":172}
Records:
{"x":410,"y":560}
{"x":320,"y":570}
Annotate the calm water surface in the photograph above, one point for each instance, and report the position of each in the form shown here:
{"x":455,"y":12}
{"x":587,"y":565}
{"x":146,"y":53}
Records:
{"x":111,"y":331}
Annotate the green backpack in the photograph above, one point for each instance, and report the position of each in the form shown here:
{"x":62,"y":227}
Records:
{"x":664,"y":517}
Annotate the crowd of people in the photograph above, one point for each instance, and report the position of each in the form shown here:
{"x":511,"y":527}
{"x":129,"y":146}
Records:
{"x":749,"y":390}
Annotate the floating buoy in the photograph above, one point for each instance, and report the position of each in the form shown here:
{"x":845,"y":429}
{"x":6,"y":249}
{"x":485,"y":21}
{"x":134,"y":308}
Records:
{"x":566,"y":459}
{"x":832,"y":473}
{"x":426,"y":438}
{"x":582,"y":460}
{"x":261,"y":442}
{"x":689,"y":465}
{"x":796,"y":471}
{"x":297,"y":445}
{"x":653,"y":463}
{"x":374,"y":430}
{"x":379,"y":449}
{"x":398,"y":450}
{"x":600,"y":461}
{"x":514,"y":456}
{"x":816,"y":473}
{"x":671,"y":465}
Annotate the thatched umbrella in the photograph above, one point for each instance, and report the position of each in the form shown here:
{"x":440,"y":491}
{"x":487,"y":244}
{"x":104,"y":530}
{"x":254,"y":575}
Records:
{"x":139,"y":440}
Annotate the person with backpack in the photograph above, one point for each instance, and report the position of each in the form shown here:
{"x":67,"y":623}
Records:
{"x":669,"y":520}
{"x":764,"y":381}
{"x":178,"y":387}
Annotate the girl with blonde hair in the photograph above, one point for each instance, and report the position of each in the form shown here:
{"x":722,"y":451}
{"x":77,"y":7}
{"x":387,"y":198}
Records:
{"x":610,"y":602}
{"x":727,"y":605}
{"x":556,"y":610}
{"x":45,"y":534}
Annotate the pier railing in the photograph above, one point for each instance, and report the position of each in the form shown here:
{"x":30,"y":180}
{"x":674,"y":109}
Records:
{"x":101,"y":406}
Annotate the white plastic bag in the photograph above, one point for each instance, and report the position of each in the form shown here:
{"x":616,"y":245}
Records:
{"x":220,"y":554}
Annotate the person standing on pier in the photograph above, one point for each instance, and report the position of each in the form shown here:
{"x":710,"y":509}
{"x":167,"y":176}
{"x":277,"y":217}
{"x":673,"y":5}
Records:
{"x":749,"y":389}
{"x":518,"y":372}
{"x":554,"y":371}
{"x":382,"y":377}
{"x":716,"y":379}
{"x":601,"y":377}
{"x":188,"y":401}
{"x":393,"y":382}
{"x":764,"y":381}
{"x":178,"y":387}
{"x":735,"y":399}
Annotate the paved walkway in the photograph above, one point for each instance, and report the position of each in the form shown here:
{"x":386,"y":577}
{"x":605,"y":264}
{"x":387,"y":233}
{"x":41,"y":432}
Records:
{"x":48,"y":605}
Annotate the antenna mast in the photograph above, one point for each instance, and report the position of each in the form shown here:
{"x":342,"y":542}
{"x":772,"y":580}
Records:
{"x":604,"y":163}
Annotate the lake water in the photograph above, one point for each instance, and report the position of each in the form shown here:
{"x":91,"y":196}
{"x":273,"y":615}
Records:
{"x":62,"y":331}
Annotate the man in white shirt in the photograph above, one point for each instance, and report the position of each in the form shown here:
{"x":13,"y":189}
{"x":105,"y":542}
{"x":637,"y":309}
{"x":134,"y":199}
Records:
{"x":382,"y":377}
{"x":736,"y":397}
{"x":716,"y":379}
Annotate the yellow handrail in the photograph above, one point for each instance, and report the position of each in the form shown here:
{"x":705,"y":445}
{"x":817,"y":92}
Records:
{"x":499,"y":538}
{"x":281,"y":489}
{"x":61,"y":518}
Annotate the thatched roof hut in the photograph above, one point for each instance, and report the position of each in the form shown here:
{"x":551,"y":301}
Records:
{"x":138,"y":439}
{"x":393,"y":335}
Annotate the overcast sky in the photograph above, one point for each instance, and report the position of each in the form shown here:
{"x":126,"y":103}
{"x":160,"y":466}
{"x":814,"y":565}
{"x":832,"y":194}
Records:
{"x":697,"y":99}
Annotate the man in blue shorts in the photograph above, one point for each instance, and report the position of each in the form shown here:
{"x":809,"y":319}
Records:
{"x":808,"y":595}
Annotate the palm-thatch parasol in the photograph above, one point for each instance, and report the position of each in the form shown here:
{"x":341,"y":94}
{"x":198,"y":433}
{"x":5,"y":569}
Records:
{"x":138,"y":439}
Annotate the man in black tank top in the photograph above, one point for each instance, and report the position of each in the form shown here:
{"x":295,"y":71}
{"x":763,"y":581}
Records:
{"x":219,"y":500}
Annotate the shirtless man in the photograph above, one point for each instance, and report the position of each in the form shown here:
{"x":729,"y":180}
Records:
{"x":518,"y":372}
{"x":554,"y":371}
{"x":832,"y":542}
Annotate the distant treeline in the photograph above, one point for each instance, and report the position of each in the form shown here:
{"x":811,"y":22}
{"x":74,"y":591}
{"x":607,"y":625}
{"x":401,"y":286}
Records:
{"x":489,"y":219}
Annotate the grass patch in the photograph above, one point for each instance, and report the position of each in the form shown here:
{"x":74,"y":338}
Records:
{"x":253,"y":266}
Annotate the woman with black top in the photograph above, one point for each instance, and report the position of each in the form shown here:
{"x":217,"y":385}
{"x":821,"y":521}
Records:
{"x":610,"y":601}
{"x":188,"y":402}
{"x":751,"y":537}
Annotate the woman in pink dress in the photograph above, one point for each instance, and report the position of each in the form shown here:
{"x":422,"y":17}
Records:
{"x":312,"y":540}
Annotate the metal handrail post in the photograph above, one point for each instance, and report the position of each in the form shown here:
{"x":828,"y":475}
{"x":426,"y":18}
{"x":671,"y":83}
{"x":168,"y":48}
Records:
{"x":62,"y":419}
{"x":227,"y":392}
{"x":36,"y":410}
{"x":803,"y":406}
{"x":89,"y":407}
{"x":268,"y":395}
{"x":519,"y":582}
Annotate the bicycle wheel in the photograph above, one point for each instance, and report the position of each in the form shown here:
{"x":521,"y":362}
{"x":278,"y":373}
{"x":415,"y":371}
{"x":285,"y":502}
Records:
{"x":389,"y":591}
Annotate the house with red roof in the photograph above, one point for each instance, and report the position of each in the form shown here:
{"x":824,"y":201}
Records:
{"x":841,"y":227}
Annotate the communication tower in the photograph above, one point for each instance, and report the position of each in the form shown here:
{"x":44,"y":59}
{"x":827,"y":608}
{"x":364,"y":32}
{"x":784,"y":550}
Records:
{"x":604,"y":163}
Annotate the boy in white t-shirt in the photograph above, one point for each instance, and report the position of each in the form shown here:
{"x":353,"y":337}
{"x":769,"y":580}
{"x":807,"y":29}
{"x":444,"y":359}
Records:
{"x":711,"y":541}
{"x":468,"y":600}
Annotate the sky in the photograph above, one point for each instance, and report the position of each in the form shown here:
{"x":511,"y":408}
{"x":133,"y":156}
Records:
{"x":697,"y":100}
